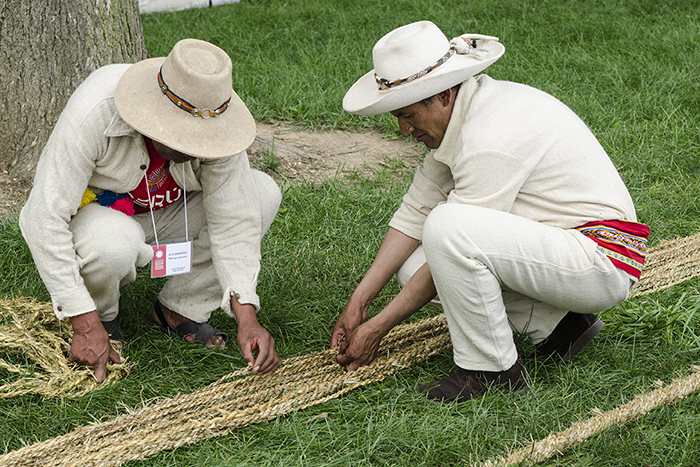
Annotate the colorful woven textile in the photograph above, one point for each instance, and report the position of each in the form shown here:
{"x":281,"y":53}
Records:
{"x":624,"y":242}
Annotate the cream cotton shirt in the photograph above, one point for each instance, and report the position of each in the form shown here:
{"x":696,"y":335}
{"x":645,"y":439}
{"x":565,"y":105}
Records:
{"x":91,"y":146}
{"x":516,"y":149}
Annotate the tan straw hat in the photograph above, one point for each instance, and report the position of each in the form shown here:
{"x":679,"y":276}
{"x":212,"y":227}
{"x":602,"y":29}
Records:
{"x":417,"y":61}
{"x":186,"y":101}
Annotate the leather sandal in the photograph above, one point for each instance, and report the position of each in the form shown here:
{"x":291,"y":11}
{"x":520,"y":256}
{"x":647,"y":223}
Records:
{"x":203,"y":332}
{"x":114,"y":331}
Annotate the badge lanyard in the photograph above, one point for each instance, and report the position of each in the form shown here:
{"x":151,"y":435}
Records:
{"x":174,"y":258}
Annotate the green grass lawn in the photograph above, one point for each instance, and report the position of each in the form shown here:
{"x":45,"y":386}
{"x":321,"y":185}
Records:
{"x":630,"y":69}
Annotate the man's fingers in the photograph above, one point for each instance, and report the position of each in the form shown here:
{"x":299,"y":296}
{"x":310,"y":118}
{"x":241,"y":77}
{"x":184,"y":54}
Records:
{"x":100,"y":370}
{"x":344,"y":344}
{"x":261,"y":360}
{"x":115,"y":357}
{"x":267,"y":360}
{"x":343,"y":358}
{"x":269,"y":365}
{"x":335,"y":338}
{"x":338,"y":335}
{"x":258,"y":349}
{"x":251,"y":346}
{"x":247,"y":352}
{"x":348,"y":362}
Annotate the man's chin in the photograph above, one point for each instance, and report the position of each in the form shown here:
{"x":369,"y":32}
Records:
{"x":425,"y":139}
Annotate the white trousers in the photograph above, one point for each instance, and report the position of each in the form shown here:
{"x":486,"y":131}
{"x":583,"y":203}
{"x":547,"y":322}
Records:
{"x":496,"y":273}
{"x":110,"y":246}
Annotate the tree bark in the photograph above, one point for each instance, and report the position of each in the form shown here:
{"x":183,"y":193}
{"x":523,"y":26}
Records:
{"x":47,"y":48}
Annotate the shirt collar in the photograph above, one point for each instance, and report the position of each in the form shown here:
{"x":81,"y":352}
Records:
{"x":118,"y":127}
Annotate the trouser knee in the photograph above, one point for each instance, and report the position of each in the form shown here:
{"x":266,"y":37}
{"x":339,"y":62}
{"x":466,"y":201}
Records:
{"x":108,"y":241}
{"x":410,"y":266}
{"x":440,"y":230}
{"x":270,"y":198}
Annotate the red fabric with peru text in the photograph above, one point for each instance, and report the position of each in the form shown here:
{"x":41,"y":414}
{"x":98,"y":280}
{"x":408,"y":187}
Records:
{"x":162,"y":188}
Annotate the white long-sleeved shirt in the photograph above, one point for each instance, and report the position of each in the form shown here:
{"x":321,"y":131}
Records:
{"x":516,"y":149}
{"x":91,"y":146}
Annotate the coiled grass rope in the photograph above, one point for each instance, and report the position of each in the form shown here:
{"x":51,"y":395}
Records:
{"x":240,"y":399}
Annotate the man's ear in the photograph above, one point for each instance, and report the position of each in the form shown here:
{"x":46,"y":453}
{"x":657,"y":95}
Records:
{"x":446,"y":97}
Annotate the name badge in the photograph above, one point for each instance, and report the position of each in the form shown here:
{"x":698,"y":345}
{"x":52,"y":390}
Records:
{"x":170,"y":259}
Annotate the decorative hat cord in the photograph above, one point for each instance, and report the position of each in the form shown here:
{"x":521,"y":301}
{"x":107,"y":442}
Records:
{"x":462,"y":45}
{"x":186,"y":106}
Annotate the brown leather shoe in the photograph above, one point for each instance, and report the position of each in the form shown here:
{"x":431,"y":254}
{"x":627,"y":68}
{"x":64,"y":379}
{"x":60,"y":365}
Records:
{"x":570,"y":336}
{"x":463,"y":385}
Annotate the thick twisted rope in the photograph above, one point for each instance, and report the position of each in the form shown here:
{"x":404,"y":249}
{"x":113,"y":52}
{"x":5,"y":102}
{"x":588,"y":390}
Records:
{"x":557,"y":443}
{"x":669,"y":263}
{"x":29,"y":327}
{"x":240,"y":399}
{"x":230,"y":403}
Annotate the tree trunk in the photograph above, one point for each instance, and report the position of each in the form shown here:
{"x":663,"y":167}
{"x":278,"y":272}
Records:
{"x":47,"y":48}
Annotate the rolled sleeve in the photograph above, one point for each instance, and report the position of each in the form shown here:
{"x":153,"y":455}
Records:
{"x":232,"y":205}
{"x":72,"y":302}
{"x":431,"y":185}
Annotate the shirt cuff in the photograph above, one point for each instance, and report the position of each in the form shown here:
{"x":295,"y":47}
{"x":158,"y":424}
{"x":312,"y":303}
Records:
{"x":244,"y":297}
{"x":72,"y":303}
{"x":405,"y":226}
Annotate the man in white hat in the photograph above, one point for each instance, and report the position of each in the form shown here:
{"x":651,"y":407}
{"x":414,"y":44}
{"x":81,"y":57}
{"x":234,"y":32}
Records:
{"x":517,"y":220}
{"x":148,"y":161}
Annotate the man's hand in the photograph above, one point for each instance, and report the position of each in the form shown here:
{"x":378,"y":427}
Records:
{"x":352,"y":316}
{"x":361,"y":343}
{"x":359,"y":347}
{"x":253,"y":338}
{"x":90,"y":345}
{"x":395,"y":249}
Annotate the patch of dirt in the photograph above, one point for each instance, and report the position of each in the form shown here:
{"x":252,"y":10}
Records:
{"x":304,"y":156}
{"x":291,"y":155}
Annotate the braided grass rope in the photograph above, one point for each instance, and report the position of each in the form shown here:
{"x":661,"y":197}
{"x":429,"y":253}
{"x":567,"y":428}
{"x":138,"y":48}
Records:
{"x":557,"y":443}
{"x":240,"y":399}
{"x":669,"y":263}
{"x":30,"y":327}
{"x":230,"y":403}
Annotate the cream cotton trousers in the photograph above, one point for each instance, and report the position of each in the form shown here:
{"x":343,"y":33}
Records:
{"x":110,"y":246}
{"x":496,"y":273}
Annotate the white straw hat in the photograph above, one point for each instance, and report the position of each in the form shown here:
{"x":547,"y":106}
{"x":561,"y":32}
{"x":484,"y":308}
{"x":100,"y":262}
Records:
{"x":186,"y":101}
{"x":417,"y":61}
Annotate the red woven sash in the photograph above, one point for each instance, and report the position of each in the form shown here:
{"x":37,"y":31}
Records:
{"x":623,"y":242}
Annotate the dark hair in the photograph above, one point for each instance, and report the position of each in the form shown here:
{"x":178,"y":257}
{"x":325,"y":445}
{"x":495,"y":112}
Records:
{"x":429,"y":100}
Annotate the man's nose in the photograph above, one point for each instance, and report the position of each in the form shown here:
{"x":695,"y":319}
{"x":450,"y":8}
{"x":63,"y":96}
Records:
{"x":405,"y":127}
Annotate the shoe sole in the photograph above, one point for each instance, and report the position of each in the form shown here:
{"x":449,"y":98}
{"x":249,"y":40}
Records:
{"x":582,"y":341}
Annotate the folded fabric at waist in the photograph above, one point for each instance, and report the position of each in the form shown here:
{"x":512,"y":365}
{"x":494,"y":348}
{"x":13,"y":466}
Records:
{"x":623,"y":242}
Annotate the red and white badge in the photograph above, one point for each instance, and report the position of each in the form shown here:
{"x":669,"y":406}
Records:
{"x":170,"y":259}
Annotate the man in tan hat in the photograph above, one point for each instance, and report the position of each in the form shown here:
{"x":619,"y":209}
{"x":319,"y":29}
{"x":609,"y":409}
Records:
{"x":148,"y":162}
{"x":517,"y":220}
